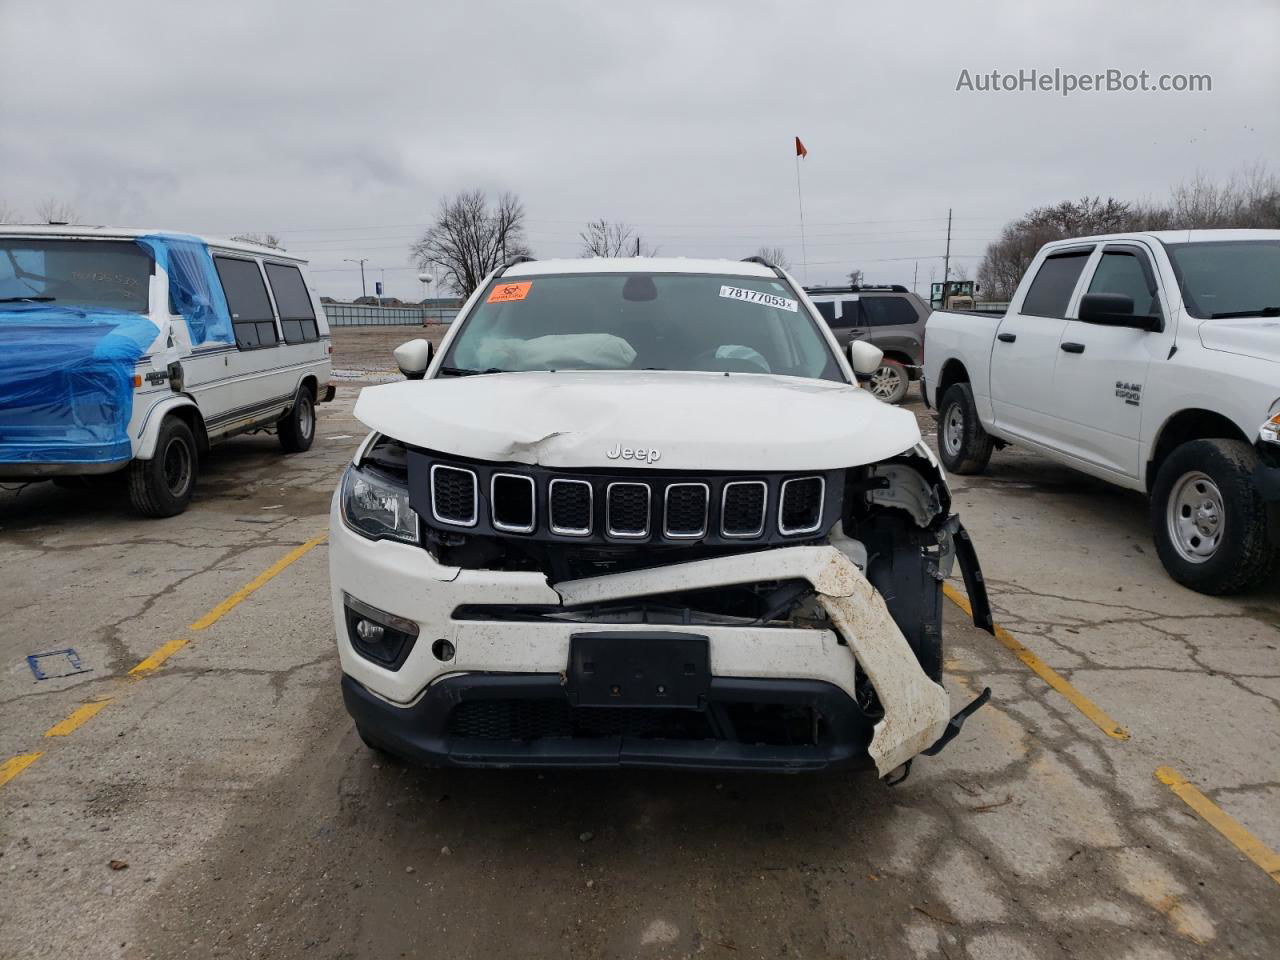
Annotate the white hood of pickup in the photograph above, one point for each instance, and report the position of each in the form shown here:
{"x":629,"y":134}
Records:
{"x":675,"y":421}
{"x":1256,"y":337}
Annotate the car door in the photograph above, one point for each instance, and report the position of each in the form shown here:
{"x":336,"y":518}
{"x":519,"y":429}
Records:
{"x":893,"y":325}
{"x":1100,"y":369}
{"x":844,"y":319}
{"x":1026,"y":348}
{"x":252,"y":389}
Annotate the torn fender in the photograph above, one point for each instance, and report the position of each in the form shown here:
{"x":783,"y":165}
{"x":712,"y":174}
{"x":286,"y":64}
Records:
{"x":916,"y":710}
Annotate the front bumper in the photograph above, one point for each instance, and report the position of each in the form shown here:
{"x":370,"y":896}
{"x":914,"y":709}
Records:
{"x":453,"y":661}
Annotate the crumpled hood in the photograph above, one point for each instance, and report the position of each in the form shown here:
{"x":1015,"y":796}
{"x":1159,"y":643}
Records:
{"x":660,"y":420}
{"x":1250,"y":337}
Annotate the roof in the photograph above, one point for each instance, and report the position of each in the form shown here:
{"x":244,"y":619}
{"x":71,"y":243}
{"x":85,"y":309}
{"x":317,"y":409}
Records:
{"x":82,"y":232}
{"x":737,"y":268}
{"x":1178,"y":236}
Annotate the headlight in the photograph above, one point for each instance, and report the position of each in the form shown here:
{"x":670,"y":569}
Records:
{"x":1270,"y":432}
{"x":377,"y":506}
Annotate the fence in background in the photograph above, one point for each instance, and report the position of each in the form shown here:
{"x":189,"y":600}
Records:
{"x":359,"y":315}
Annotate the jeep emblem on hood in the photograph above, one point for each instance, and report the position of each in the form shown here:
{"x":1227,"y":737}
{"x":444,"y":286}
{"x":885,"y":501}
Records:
{"x":619,"y":452}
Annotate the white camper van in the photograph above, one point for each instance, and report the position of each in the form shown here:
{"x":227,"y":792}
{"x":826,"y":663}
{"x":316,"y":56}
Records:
{"x":133,"y":351}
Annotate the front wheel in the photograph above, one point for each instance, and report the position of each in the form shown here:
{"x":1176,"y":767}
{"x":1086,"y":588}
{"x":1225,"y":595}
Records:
{"x":890,"y":382}
{"x":298,"y":428}
{"x":162,"y":486}
{"x":963,"y":445}
{"x":1213,"y":530}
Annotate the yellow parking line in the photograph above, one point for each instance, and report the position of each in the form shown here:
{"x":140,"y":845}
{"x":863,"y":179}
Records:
{"x":77,"y":717}
{"x":166,"y":650}
{"x":1046,"y":673}
{"x":15,"y":765}
{"x":1224,"y":823}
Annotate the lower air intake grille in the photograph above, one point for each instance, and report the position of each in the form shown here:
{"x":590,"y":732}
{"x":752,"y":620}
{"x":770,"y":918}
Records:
{"x":453,"y":495}
{"x":801,"y":510}
{"x":744,"y":503}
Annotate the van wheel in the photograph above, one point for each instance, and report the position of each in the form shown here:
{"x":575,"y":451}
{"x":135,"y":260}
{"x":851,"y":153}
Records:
{"x":298,"y":428}
{"x":962,"y":443}
{"x":1213,"y":530}
{"x":162,"y":486}
{"x":890,"y":382}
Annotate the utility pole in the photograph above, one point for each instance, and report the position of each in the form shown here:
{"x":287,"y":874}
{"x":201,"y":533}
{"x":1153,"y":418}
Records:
{"x":362,"y":261}
{"x":946,"y":261}
{"x":637,"y":246}
{"x":915,"y":279}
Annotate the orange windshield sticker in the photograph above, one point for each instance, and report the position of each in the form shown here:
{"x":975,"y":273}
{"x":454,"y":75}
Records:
{"x":507,"y":292}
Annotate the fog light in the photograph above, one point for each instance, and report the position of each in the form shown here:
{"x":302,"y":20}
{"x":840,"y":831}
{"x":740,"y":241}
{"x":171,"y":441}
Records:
{"x":368,"y":631}
{"x":442,"y":650}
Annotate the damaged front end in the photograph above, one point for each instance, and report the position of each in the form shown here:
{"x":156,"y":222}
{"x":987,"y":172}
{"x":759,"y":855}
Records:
{"x":652,"y":617}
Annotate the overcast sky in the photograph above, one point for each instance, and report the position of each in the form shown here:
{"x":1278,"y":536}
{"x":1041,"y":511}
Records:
{"x":340,"y":125}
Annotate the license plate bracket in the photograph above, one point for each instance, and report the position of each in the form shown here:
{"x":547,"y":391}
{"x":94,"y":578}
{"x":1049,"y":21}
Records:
{"x":638,"y":669}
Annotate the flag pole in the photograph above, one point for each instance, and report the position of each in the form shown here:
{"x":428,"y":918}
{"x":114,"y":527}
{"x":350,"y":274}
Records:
{"x":804,"y":249}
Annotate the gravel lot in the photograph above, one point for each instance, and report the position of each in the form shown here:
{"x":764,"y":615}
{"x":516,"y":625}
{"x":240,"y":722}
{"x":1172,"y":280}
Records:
{"x":220,"y":803}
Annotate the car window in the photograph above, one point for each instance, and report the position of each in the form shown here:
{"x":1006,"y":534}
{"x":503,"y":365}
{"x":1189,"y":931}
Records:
{"x":828,"y":310}
{"x":1122,"y":273}
{"x":888,"y":311}
{"x":297,"y":316}
{"x":850,"y":314}
{"x":1236,"y":278}
{"x":247,"y":300}
{"x":643,"y":321}
{"x":89,"y":274}
{"x":1050,"y":291}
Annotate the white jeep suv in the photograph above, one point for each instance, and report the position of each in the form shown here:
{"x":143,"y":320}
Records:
{"x":638,"y":512}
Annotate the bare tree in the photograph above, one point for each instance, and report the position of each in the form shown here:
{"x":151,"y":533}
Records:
{"x":261,"y":239}
{"x":471,"y":238}
{"x":856,"y":278}
{"x":8,"y":214}
{"x":775,"y":255}
{"x":53,"y":210}
{"x":602,"y":238}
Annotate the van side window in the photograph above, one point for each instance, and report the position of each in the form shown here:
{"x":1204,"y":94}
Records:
{"x":247,"y":299}
{"x":1051,"y":289}
{"x":297,"y":316}
{"x":888,"y":311}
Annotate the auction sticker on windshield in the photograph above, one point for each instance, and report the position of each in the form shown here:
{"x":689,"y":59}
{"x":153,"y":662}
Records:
{"x":755,"y":296}
{"x":509,"y":291}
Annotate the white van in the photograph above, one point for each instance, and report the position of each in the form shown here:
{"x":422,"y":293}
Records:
{"x":132,"y":351}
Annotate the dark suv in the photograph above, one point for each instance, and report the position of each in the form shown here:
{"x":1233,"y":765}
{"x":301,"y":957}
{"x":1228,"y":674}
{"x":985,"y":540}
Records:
{"x":891,"y":318}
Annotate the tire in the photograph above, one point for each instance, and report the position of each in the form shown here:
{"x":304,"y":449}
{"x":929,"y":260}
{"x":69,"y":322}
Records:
{"x":162,"y":486}
{"x":298,"y":428}
{"x":890,"y":382}
{"x":963,"y":446}
{"x":1213,"y":530}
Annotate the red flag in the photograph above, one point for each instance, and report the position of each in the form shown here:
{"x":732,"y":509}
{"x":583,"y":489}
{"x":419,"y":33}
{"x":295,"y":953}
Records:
{"x":800,"y":150}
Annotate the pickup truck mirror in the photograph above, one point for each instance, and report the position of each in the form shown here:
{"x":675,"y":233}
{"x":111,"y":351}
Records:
{"x":864,"y":358}
{"x":1115,"y":310}
{"x":413,"y":357}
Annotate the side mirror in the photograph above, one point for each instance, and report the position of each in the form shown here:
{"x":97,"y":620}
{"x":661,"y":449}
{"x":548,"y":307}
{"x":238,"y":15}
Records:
{"x":413,"y":357}
{"x":1115,"y":310}
{"x":864,"y":358}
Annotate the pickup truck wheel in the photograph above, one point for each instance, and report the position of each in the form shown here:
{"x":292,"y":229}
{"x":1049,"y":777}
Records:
{"x":1213,"y":530}
{"x":298,"y":428}
{"x":890,"y":382}
{"x":162,"y":486}
{"x":962,"y":443}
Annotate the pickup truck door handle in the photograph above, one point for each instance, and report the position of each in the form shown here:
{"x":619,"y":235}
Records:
{"x":1006,"y":337}
{"x":1072,"y":347}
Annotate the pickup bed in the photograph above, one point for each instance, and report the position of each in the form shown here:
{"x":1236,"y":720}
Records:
{"x":1149,"y":360}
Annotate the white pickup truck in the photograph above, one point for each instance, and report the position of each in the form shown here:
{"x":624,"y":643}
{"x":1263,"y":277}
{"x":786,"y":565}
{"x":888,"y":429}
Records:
{"x":1151,"y":360}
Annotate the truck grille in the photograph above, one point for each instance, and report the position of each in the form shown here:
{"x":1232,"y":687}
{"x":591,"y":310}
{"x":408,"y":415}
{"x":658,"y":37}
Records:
{"x":686,"y":510}
{"x":743,"y":510}
{"x":571,"y":507}
{"x":801,"y":510}
{"x":628,"y":510}
{"x":514,"y":502}
{"x":453,"y":495}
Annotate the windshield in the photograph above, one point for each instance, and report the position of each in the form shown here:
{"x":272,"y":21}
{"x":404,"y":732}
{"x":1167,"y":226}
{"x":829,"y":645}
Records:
{"x":91,"y":274}
{"x":1237,"y":278}
{"x":642,"y":321}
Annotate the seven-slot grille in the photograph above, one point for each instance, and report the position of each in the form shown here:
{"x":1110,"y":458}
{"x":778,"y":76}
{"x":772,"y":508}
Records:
{"x":634,"y":506}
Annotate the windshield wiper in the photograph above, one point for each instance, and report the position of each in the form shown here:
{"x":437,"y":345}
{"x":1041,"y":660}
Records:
{"x":464,"y":372}
{"x":1260,"y":312}
{"x":26,"y":299}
